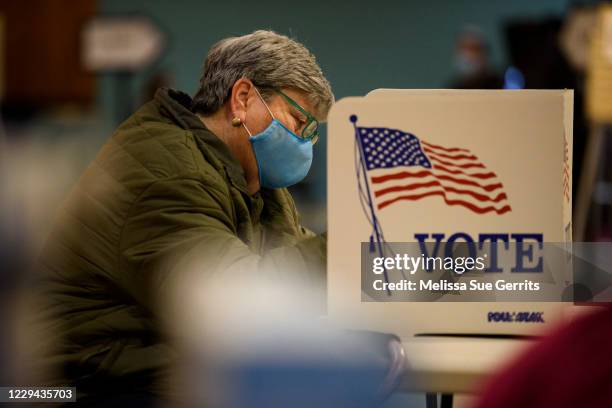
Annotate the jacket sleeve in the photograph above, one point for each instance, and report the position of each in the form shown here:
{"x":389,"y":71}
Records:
{"x":180,"y":231}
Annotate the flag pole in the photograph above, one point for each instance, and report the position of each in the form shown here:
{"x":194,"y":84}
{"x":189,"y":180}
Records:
{"x":375,"y":226}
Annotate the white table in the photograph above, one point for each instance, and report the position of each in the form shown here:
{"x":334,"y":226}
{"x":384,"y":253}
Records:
{"x":449,"y":365}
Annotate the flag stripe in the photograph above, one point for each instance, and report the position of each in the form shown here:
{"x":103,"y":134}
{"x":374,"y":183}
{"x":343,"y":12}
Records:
{"x":461,"y":166}
{"x":473,"y":207}
{"x":448,"y":156}
{"x":404,"y":174}
{"x":451,"y":149}
{"x":448,"y":194}
{"x":480,"y":197}
{"x":482,"y":176}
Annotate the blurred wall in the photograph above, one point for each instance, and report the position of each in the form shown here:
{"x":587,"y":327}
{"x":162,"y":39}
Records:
{"x":42,"y":53}
{"x":361,"y":45}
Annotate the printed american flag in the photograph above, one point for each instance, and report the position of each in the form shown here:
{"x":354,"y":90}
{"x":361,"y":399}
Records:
{"x":400,"y":166}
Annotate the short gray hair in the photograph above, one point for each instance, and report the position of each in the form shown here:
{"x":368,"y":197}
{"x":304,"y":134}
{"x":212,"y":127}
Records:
{"x":270,"y":61}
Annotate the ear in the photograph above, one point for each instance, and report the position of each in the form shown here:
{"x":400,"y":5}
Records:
{"x":239,"y":98}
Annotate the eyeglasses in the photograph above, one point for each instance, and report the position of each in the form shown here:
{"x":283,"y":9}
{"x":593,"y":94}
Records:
{"x":310,"y":131}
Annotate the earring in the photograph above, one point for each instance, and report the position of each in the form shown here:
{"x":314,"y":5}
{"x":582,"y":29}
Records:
{"x":236,"y":121}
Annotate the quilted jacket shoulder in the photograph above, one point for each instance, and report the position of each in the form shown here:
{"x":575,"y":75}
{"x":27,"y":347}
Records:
{"x":163,"y":186}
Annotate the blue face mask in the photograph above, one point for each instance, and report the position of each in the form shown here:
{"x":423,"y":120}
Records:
{"x":283,"y":158}
{"x":465,"y":65}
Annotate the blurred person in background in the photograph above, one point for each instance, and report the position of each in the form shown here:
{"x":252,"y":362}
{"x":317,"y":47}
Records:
{"x":472,"y":66}
{"x":570,"y":367}
{"x":200,"y":179}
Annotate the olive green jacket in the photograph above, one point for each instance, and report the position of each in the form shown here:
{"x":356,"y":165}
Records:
{"x":162,"y":186}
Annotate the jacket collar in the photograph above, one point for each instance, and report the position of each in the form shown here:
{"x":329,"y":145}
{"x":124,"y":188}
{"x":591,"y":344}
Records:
{"x":176,"y":105}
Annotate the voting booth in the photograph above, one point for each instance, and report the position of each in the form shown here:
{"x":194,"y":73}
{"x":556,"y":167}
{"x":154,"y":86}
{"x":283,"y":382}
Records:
{"x":410,"y":165}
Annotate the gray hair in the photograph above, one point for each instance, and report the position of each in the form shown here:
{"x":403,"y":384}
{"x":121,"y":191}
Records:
{"x":270,"y":61}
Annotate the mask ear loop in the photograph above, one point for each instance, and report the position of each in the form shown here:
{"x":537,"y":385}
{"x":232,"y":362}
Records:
{"x":264,"y":102}
{"x":267,"y":107}
{"x":247,"y":129}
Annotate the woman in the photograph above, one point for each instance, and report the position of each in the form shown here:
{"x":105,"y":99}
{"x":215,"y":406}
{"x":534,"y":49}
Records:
{"x":259,"y":81}
{"x":185,"y":192}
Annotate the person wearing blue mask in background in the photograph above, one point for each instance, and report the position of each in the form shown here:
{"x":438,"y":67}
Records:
{"x":183,"y":181}
{"x":471,"y":61}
